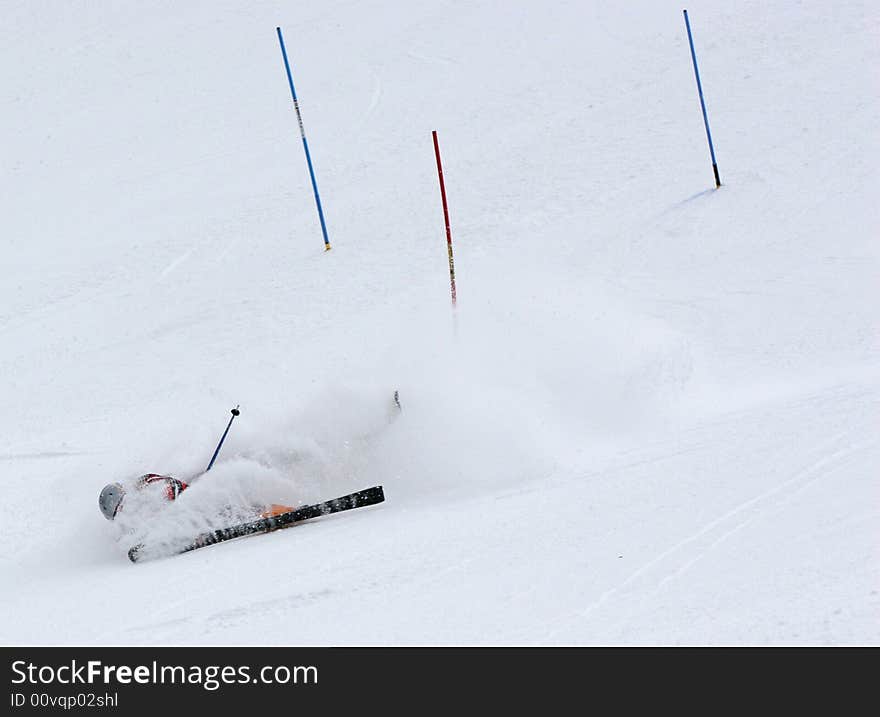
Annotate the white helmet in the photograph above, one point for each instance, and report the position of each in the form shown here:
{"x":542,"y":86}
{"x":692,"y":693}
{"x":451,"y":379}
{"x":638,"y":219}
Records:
{"x":110,"y":500}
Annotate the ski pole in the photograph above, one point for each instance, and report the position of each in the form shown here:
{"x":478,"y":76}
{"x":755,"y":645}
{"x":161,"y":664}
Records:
{"x":234,"y":412}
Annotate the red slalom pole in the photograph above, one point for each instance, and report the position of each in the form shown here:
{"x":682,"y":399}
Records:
{"x":445,"y":216}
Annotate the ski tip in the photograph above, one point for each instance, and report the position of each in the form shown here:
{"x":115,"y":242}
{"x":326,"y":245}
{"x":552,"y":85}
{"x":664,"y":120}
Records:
{"x":134,"y":552}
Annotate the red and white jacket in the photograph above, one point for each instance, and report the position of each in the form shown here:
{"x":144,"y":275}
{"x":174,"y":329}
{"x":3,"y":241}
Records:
{"x":173,"y":486}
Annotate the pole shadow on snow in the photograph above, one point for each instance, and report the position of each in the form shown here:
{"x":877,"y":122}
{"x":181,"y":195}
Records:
{"x":692,"y":198}
{"x":683,"y":203}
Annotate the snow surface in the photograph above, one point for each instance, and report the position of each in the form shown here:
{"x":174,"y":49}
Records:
{"x":652,"y":418}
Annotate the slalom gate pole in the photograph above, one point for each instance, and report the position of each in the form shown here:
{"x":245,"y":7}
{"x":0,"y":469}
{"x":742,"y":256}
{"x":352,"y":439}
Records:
{"x":234,"y":412}
{"x":445,"y":216}
{"x":305,"y":143}
{"x":702,"y":101}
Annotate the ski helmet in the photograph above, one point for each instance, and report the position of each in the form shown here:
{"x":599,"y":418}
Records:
{"x":110,"y":500}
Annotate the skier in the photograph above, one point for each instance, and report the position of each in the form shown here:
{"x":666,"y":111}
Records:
{"x":149,"y":488}
{"x":151,"y":491}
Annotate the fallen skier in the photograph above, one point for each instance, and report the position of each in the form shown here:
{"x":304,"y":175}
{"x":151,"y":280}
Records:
{"x":150,"y":491}
{"x":146,"y":494}
{"x":140,"y":500}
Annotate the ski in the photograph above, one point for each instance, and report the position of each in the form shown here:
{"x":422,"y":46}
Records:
{"x":360,"y":499}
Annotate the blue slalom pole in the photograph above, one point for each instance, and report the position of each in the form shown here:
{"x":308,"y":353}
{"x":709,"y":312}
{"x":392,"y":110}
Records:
{"x":305,"y":143}
{"x":234,"y":412}
{"x":702,"y":101}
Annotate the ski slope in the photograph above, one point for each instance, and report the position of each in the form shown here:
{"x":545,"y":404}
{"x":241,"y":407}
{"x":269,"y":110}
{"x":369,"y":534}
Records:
{"x":651,"y":419}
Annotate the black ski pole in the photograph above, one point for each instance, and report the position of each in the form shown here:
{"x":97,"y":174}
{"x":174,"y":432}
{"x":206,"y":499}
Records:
{"x":235,"y":412}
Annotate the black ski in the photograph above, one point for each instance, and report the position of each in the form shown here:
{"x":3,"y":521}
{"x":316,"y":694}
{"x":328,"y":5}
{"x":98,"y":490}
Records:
{"x":363,"y":498}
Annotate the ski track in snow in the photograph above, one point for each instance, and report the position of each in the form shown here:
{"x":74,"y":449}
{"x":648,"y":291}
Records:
{"x":176,"y":263}
{"x":675,"y":561}
{"x":39,"y":456}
